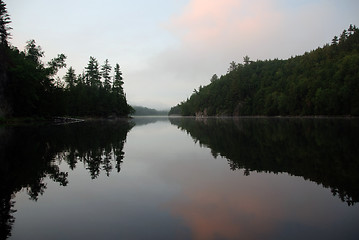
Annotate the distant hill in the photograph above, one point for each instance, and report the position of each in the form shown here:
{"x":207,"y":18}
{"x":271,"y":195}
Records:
{"x":144,"y":111}
{"x":324,"y":81}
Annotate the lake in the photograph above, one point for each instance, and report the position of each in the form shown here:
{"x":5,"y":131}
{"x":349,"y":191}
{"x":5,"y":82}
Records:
{"x":181,"y":178}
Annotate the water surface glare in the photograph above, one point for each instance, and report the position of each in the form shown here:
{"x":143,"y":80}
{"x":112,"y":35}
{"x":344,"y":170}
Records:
{"x":182,"y":178}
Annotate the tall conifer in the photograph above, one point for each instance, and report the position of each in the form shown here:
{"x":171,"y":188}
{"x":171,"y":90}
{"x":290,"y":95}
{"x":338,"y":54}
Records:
{"x":4,"y":21}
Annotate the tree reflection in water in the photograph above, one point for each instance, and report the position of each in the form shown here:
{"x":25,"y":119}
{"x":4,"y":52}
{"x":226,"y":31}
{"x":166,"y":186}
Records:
{"x":322,"y":150}
{"x":30,"y":154}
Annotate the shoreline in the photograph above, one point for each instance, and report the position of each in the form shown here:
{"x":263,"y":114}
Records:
{"x":275,"y":117}
{"x":24,"y":121}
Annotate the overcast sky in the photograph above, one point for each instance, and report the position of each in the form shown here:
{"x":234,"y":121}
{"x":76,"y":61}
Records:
{"x":166,"y":48}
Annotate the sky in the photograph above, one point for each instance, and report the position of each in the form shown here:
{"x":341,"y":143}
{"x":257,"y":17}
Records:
{"x":168,"y":48}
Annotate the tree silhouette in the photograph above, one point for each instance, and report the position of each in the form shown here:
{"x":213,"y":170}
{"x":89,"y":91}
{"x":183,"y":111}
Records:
{"x":232,"y":66}
{"x":106,"y":71}
{"x":118,"y":81}
{"x":70,"y":78}
{"x":31,"y":155}
{"x":246,"y":60}
{"x":214,"y":78}
{"x":4,"y":21}
{"x":93,"y":77}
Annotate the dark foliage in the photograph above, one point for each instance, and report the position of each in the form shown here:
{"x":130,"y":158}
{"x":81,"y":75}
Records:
{"x":30,"y":88}
{"x":4,"y":21}
{"x":322,"y":150}
{"x":30,"y":155}
{"x":322,"y":82}
{"x":144,"y":111}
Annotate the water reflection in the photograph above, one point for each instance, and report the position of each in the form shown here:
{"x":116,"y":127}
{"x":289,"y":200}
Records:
{"x":30,"y":154}
{"x":322,"y":150}
{"x":144,"y":120}
{"x":171,"y":188}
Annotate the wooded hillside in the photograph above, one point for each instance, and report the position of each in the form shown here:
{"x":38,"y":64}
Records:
{"x":324,"y":81}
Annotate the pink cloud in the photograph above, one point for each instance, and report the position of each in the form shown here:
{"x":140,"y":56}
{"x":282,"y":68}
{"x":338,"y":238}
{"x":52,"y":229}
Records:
{"x":210,"y":34}
{"x":219,"y":23}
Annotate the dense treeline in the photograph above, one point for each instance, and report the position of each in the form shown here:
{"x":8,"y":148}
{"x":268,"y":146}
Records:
{"x":322,"y":82}
{"x":96,"y":93}
{"x":144,"y":111}
{"x":30,"y":88}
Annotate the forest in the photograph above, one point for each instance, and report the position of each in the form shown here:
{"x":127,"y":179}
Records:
{"x":144,"y":111}
{"x":324,"y":81}
{"x":30,"y":88}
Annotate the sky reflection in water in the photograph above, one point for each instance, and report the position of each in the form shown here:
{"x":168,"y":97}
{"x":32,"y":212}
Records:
{"x":171,"y":188}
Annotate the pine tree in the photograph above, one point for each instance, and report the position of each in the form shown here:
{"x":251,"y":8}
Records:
{"x":246,"y":60}
{"x":343,"y":36}
{"x":70,"y":78}
{"x":105,"y":71}
{"x":4,"y":21}
{"x":81,"y":79}
{"x":214,"y":78}
{"x":118,"y":81}
{"x":232,"y":66}
{"x":93,"y":77}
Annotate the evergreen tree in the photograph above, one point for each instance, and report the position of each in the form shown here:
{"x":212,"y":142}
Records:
{"x":33,"y":52}
{"x":232,"y":66}
{"x":93,"y":77}
{"x":246,"y":60}
{"x":106,"y":71}
{"x":118,"y":81}
{"x":81,"y":79}
{"x":352,"y":28}
{"x":70,"y":78}
{"x":4,"y":21}
{"x":343,"y":36}
{"x":214,"y":78}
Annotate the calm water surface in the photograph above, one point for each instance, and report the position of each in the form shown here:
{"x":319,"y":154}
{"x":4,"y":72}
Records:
{"x":181,"y":178}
